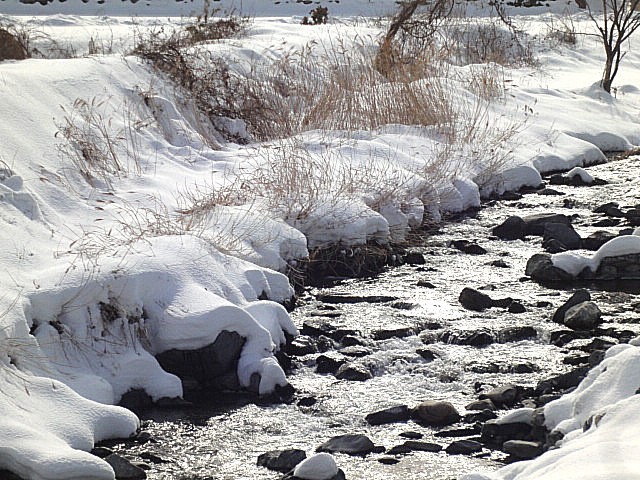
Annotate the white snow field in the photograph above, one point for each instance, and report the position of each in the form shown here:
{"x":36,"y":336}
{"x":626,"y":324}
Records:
{"x":183,"y":233}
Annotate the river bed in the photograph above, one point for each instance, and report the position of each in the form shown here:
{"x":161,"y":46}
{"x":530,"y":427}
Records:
{"x":222,"y":438}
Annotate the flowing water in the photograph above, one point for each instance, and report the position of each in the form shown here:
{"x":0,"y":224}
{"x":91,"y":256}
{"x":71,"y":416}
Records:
{"x":223,"y":438}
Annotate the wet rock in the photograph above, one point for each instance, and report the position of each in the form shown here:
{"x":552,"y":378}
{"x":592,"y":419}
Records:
{"x":399,"y":413}
{"x":583,"y":316}
{"x":579,"y":296}
{"x":10,"y":47}
{"x":415,"y":445}
{"x":550,"y":192}
{"x":541,"y":269}
{"x":563,"y":233}
{"x":562,"y":382}
{"x":353,"y":372}
{"x":329,"y":363}
{"x":554,"y":246}
{"x":425,"y":284}
{"x":535,"y":224}
{"x":502,"y":302}
{"x":281,"y":460}
{"x":516,"y":334}
{"x":325,"y":343}
{"x":474,"y":300}
{"x":393,"y":331}
{"x":607,"y":222}
{"x":605,"y":207}
{"x":388,"y":460}
{"x":342,"y":298}
{"x":428,"y":355}
{"x":356,"y":351}
{"x":466,"y":246}
{"x":633,"y":217}
{"x":352,"y":444}
{"x":522,"y":449}
{"x":511,"y":196}
{"x":411,"y":435}
{"x":516,"y":307}
{"x":479,"y":417}
{"x":495,"y":433}
{"x":399,"y":450}
{"x":500,"y":264}
{"x":505,"y":395}
{"x":414,"y":258}
{"x":457,"y":432}
{"x":513,"y":228}
{"x":404,"y":305}
{"x":435,"y":412}
{"x":351,"y":341}
{"x":100,"y":452}
{"x":124,"y":469}
{"x":463,"y":447}
{"x":478,"y":338}
{"x":597,"y":239}
{"x":307,"y":402}
{"x":136,"y":400}
{"x":301,"y":346}
{"x":153,"y":458}
{"x":212,"y":366}
{"x":326,"y":313}
{"x":485,"y":404}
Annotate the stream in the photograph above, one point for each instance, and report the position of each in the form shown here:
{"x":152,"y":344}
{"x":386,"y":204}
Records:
{"x":222,"y":438}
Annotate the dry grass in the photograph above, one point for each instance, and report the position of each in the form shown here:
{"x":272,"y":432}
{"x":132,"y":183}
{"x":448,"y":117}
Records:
{"x":99,"y":147}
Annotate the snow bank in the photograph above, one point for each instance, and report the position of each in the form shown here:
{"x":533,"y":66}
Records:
{"x":601,"y":436}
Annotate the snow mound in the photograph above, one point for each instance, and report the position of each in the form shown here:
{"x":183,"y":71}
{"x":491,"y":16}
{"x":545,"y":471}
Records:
{"x":321,"y":466}
{"x":573,"y":262}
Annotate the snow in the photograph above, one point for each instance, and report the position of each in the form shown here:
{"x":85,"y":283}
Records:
{"x":573,"y":262}
{"x":601,"y":436}
{"x":580,"y":172}
{"x":193,"y":235}
{"x":321,"y":466}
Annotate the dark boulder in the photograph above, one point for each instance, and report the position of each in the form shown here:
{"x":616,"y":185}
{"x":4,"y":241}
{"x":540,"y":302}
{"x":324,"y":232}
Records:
{"x":535,"y":224}
{"x":474,"y":300}
{"x":124,"y":469}
{"x":418,"y":446}
{"x":541,"y":269}
{"x":281,"y":460}
{"x":353,"y":372}
{"x":302,"y":345}
{"x":597,"y":239}
{"x":562,"y":233}
{"x":464,"y":447}
{"x":505,"y":395}
{"x":522,"y":449}
{"x":469,"y":247}
{"x":583,"y":316}
{"x":604,"y":208}
{"x":516,"y":334}
{"x":435,"y":412}
{"x":393,"y":331}
{"x":478,"y":338}
{"x":399,"y":413}
{"x":579,"y":296}
{"x":212,"y":366}
{"x":513,"y":228}
{"x":329,"y":362}
{"x":414,"y":258}
{"x":351,"y":444}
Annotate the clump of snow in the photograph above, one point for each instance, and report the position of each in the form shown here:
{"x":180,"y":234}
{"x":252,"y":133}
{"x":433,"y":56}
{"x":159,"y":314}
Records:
{"x":573,"y":262}
{"x":321,"y":466}
{"x":580,"y":172}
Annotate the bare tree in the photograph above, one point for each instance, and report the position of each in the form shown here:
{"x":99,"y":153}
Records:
{"x":621,"y":18}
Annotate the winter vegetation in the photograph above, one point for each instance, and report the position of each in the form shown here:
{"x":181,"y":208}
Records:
{"x":161,"y":180}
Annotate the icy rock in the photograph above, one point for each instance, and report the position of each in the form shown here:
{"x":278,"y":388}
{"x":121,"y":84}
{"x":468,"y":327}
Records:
{"x":435,"y":412}
{"x":281,"y":460}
